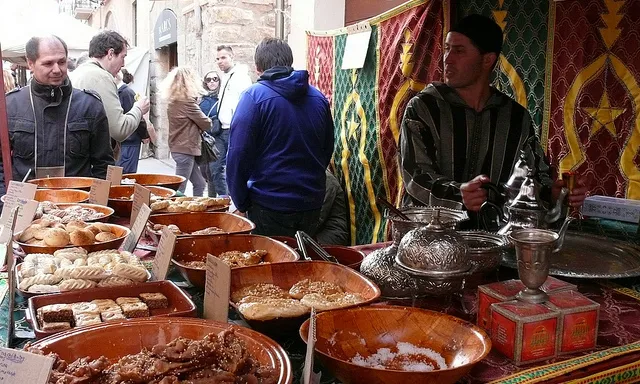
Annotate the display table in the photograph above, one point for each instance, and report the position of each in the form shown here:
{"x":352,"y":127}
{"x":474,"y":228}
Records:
{"x":616,"y":359}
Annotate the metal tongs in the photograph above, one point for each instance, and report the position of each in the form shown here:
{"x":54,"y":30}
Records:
{"x":304,"y":241}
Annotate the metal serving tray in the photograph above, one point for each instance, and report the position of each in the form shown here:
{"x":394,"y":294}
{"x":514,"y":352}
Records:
{"x":590,"y":257}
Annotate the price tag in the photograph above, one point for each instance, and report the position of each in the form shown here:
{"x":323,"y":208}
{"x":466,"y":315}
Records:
{"x":23,"y":219}
{"x":308,"y":376}
{"x":18,"y":367}
{"x":16,"y":192}
{"x":141,"y":196}
{"x":99,"y":193}
{"x":137,"y":228}
{"x":114,"y":174}
{"x":163,"y":255}
{"x":217,"y":290}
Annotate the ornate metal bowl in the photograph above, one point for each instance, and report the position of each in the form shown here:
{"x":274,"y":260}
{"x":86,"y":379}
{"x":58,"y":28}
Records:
{"x":421,"y":216}
{"x":485,"y":249}
{"x":394,"y":283}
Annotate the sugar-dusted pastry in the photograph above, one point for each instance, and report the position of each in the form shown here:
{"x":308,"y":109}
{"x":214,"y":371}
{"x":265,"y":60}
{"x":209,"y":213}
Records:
{"x":71,"y":253}
{"x":38,"y":257}
{"x":88,"y":273}
{"x":327,"y":302}
{"x":106,"y":305}
{"x":197,"y":207}
{"x":80,"y":262}
{"x":42,"y":279}
{"x":85,"y":319}
{"x":260,"y":290}
{"x":56,"y":237}
{"x":269,"y":309}
{"x":75,"y":284}
{"x":57,"y":312}
{"x":132,"y":272}
{"x":306,"y":286}
{"x":29,"y":233}
{"x":64,"y":272}
{"x":62,"y":262}
{"x":82,"y":237}
{"x":159,"y":205}
{"x":154,"y":300}
{"x":115,"y":281}
{"x":105,"y":236}
{"x":75,"y":224}
{"x":104,"y":252}
{"x":104,"y":259}
{"x":127,"y":300}
{"x":130,"y":258}
{"x":110,"y":316}
{"x":85,"y":307}
{"x":134,"y":310}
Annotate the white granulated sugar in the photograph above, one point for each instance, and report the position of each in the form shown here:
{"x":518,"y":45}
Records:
{"x":332,"y":339}
{"x":406,"y":357}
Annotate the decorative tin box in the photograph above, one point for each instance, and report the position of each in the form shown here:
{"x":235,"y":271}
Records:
{"x":578,"y":321}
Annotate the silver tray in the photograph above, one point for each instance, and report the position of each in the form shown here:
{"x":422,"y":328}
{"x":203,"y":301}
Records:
{"x":590,"y":257}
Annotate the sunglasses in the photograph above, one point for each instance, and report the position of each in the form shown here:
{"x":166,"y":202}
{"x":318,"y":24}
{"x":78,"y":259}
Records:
{"x":210,"y":79}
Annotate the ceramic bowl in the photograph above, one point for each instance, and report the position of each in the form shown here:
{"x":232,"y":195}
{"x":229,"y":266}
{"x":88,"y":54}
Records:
{"x":194,"y":221}
{"x":83,"y":183}
{"x":348,"y":256}
{"x":120,"y":231}
{"x":342,"y":334}
{"x":62,"y":195}
{"x":114,"y":340}
{"x":121,"y":201}
{"x":195,"y":248}
{"x":159,"y":180}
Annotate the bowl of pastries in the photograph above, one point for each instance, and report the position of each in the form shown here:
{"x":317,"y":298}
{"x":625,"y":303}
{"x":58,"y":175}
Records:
{"x":72,"y":269}
{"x":190,"y":253}
{"x":68,"y":212}
{"x":165,"y":350}
{"x":154,"y":179}
{"x":396,"y":345}
{"x":274,"y":298}
{"x":199,"y":224}
{"x":186,"y":204}
{"x":121,"y":197}
{"x":47,"y":235}
{"x":83,"y":183}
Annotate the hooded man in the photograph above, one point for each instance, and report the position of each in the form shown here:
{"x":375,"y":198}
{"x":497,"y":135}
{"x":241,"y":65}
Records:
{"x":464,"y":133}
{"x":280,"y":144}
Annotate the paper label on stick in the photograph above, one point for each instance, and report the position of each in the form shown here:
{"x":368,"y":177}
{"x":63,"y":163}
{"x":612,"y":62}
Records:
{"x":217,"y":290}
{"x":141,"y":196}
{"x":163,"y":255}
{"x":16,"y":192}
{"x":99,"y":193}
{"x":137,"y":228}
{"x":308,"y":376}
{"x":114,"y":174}
{"x":19,"y":367}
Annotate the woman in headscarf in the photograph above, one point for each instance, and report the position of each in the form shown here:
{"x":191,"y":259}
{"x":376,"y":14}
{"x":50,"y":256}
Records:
{"x":181,"y":89}
{"x":209,"y":106}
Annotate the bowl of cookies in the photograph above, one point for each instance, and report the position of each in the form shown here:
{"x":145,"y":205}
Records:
{"x":154,"y":179}
{"x":72,"y":269}
{"x":83,"y":183}
{"x":199,"y":224}
{"x":396,"y":345}
{"x":67,"y":212}
{"x":186,"y":204}
{"x":48,"y":236}
{"x":121,"y":197}
{"x":274,"y":298}
{"x":190,"y":253}
{"x":225,"y":353}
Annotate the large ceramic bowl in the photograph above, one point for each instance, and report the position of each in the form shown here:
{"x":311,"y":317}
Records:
{"x":120,"y":197}
{"x":194,"y":221}
{"x":117,"y":339}
{"x":83,"y":183}
{"x":196,"y":248}
{"x":62,"y":195}
{"x":120,"y":231}
{"x":158,"y":180}
{"x":342,"y":334}
{"x":285,"y":275}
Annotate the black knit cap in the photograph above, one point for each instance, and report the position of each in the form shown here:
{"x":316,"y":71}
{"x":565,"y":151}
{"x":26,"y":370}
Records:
{"x":485,"y":33}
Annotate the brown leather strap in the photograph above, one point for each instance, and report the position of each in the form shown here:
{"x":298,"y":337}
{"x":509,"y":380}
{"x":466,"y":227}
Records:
{"x":4,"y":136}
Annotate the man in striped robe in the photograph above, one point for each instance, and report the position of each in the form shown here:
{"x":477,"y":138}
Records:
{"x":460,"y":134}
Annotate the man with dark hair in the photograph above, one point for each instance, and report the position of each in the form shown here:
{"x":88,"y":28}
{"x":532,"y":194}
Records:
{"x":107,"y":51}
{"x":56,"y":130}
{"x":280,"y":145}
{"x":464,"y":133}
{"x":234,"y":80}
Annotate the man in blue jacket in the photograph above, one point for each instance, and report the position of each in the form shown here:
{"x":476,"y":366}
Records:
{"x":280,"y":144}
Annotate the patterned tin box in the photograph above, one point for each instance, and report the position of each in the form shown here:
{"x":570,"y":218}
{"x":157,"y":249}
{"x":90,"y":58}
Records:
{"x":524,"y":332}
{"x":578,"y":321}
{"x":495,"y":293}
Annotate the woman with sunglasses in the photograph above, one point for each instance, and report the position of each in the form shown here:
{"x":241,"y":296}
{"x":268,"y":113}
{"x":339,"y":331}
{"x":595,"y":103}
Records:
{"x":209,"y":106}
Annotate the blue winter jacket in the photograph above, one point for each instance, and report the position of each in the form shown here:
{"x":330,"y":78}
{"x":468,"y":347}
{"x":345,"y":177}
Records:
{"x":280,"y":144}
{"x":209,"y":106}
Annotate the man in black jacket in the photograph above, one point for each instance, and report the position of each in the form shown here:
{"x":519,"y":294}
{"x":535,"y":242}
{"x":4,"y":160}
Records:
{"x":56,"y":130}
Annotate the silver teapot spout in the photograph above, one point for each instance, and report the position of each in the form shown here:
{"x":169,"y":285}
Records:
{"x":554,"y":214}
{"x":562,"y":232}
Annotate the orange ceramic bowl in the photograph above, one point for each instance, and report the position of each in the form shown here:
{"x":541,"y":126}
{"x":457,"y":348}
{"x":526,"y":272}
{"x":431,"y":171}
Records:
{"x":157,"y":179}
{"x":119,"y":230}
{"x":117,"y":339}
{"x":83,"y":183}
{"x":194,"y":221}
{"x":341,"y":334}
{"x":59,"y":195}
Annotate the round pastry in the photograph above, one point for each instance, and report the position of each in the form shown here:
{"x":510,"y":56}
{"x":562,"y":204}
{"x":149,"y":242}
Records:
{"x":29,"y":233}
{"x":43,"y":288}
{"x":82,"y":237}
{"x":58,"y":225}
{"x":102,"y":227}
{"x":33,"y":241}
{"x":132,"y":272}
{"x":73,"y":284}
{"x":40,"y":233}
{"x":259,"y":290}
{"x":105,"y":236}
{"x":39,"y":279}
{"x":272,"y":309}
{"x":75,"y":224}
{"x":306,"y":286}
{"x":88,"y":273}
{"x":95,"y":230}
{"x":197,"y":207}
{"x":115,"y":281}
{"x":327,"y":302}
{"x":56,"y":237}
